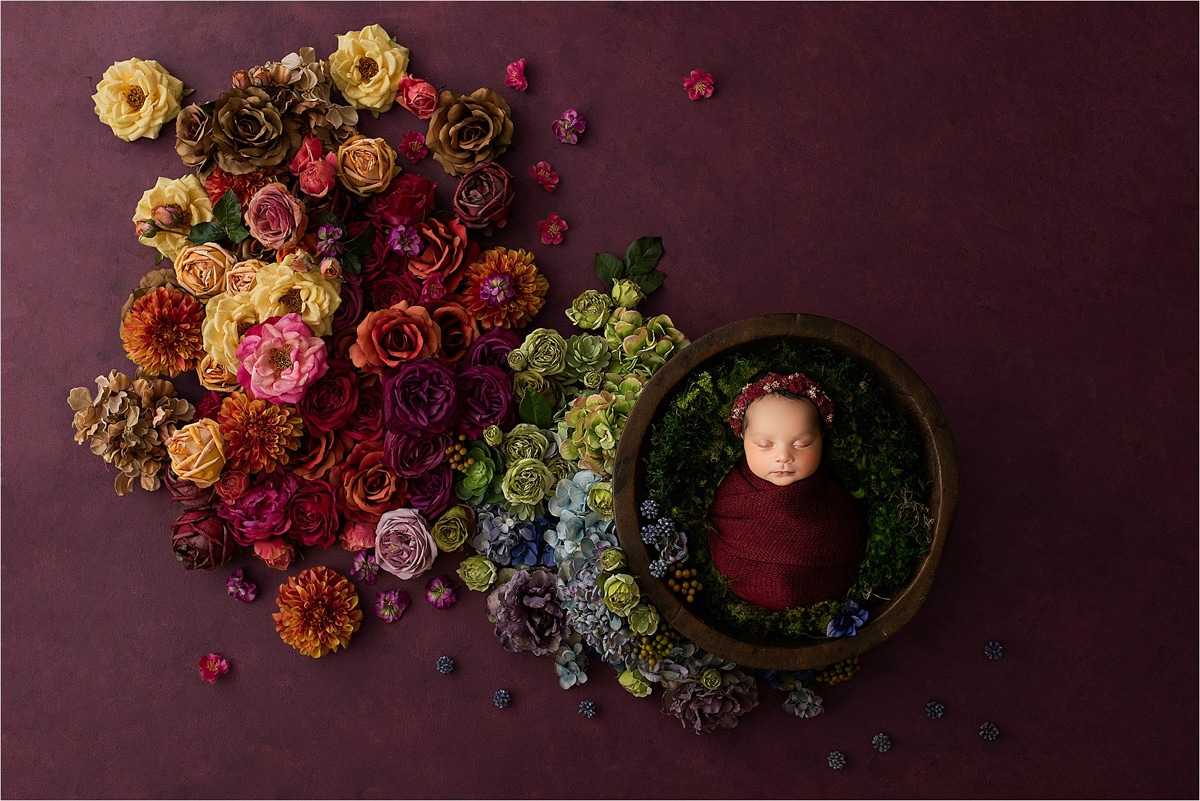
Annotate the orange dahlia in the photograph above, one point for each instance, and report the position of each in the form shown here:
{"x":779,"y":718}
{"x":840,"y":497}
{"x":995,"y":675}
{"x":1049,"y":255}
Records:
{"x":504,"y":288}
{"x":163,"y":332}
{"x":318,"y":612}
{"x":258,"y":434}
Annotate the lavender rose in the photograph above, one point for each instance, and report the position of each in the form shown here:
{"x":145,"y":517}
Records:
{"x":403,"y":544}
{"x":262,"y":512}
{"x":487,"y":399}
{"x":420,"y":397}
{"x":483,"y":197}
{"x":493,"y":348}
{"x":411,"y":456}
{"x":432,"y":491}
{"x":527,"y":613}
{"x":200,"y":540}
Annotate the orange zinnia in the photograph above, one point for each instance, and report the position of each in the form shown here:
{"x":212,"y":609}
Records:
{"x":504,"y":288}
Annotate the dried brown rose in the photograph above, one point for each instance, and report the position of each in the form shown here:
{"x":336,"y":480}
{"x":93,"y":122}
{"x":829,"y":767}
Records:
{"x":250,"y":132}
{"x":193,"y":137}
{"x":466,"y":130}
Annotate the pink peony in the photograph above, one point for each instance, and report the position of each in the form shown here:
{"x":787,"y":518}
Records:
{"x":280,"y":358}
{"x":275,"y":218}
{"x":419,"y":97}
{"x":317,"y":172}
{"x":403,"y":544}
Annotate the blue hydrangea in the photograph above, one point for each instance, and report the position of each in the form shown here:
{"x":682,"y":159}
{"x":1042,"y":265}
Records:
{"x":571,"y":664}
{"x":847,"y":621}
{"x":500,"y":535}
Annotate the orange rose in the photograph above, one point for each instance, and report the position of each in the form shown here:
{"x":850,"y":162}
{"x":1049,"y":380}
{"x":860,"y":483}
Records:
{"x":365,"y":487}
{"x":366,"y":166}
{"x":241,"y":276}
{"x":198,"y":452}
{"x":200,"y":269}
{"x":393,"y":335}
{"x":459,"y":330}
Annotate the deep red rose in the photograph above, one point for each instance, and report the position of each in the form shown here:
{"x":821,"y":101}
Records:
{"x":367,"y":422}
{"x":493,"y":348}
{"x":389,"y":289}
{"x":483,"y":196}
{"x":186,"y":492}
{"x":328,"y":404}
{"x":201,"y":540}
{"x":418,"y":96}
{"x":382,"y":259}
{"x":407,"y":200}
{"x":337,"y":203}
{"x":315,"y":520}
{"x":366,"y":487}
{"x":352,"y":308}
{"x":209,"y":403}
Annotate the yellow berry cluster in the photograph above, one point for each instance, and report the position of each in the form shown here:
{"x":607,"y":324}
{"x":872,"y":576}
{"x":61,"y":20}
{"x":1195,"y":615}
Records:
{"x":684,"y":582}
{"x":654,"y":649}
{"x":458,"y":454}
{"x":842,"y":671}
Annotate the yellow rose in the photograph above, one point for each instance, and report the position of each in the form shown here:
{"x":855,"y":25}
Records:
{"x":200,"y":269}
{"x":241,"y":276}
{"x":367,"y":67}
{"x":190,"y":203}
{"x":280,"y":290}
{"x":366,"y":166}
{"x":198,"y":452}
{"x":136,"y":98}
{"x":226,"y":318}
{"x":216,"y":376}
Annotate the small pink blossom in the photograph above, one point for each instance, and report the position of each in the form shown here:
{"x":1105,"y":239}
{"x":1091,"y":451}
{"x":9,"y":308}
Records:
{"x":413,"y":146}
{"x":239,"y":588}
{"x":440,"y":592}
{"x":212,"y":666}
{"x":545,"y":175}
{"x":280,"y":358}
{"x":569,"y":126}
{"x":699,"y":85}
{"x":552,"y":229}
{"x":417,"y":96}
{"x":515,"y":75}
{"x":390,"y":605}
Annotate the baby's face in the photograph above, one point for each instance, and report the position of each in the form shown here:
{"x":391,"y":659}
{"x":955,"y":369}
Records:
{"x":782,"y":439}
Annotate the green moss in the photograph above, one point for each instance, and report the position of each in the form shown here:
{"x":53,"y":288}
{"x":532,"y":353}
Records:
{"x":873,"y":450}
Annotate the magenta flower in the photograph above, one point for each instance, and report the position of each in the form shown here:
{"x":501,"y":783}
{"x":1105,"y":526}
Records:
{"x":545,"y":175}
{"x":406,"y":241}
{"x":278,"y":359}
{"x":244,"y":591}
{"x":390,"y":605}
{"x":440,"y":592}
{"x":212,"y":666}
{"x":365,"y":567}
{"x":413,"y":146}
{"x":569,"y":126}
{"x":699,"y":85}
{"x":514,"y":75}
{"x":552,"y":229}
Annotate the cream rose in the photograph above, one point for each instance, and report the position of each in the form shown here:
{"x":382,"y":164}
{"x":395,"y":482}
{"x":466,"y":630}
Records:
{"x":198,"y":452}
{"x":226,"y":318}
{"x":189,"y":203}
{"x":200,"y":269}
{"x":367,"y":67}
{"x":280,"y":290}
{"x":136,"y":98}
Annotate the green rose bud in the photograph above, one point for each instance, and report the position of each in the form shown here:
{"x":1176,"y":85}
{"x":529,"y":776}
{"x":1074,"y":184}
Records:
{"x":526,"y":485}
{"x":600,"y":498}
{"x":621,"y":593}
{"x":545,"y":351}
{"x":516,"y":360}
{"x":525,"y":441}
{"x":561,"y":468}
{"x":532,"y":381}
{"x":612,"y":559}
{"x":632,"y":681}
{"x":711,"y":679}
{"x":590,"y":310}
{"x":593,"y":379}
{"x":644,"y":619}
{"x":478,"y":573}
{"x":493,"y":435}
{"x":626,"y":293}
{"x":587,"y":352}
{"x":454,"y":528}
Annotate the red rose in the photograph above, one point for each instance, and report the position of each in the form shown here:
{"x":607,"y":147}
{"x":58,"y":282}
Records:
{"x":459,"y":329}
{"x":366,"y":488}
{"x":317,"y":173}
{"x":419,"y":97}
{"x":391,"y":288}
{"x":447,"y":250}
{"x":329,"y":402}
{"x":200,"y":540}
{"x":390,"y":336}
{"x":483,"y":196}
{"x":408,"y":200}
{"x":232,"y":485}
{"x":209,"y":403}
{"x":314,"y":515}
{"x":368,"y":417}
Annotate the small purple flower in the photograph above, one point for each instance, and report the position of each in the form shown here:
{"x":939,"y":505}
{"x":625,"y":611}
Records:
{"x":847,"y":621}
{"x":569,"y":126}
{"x":244,"y":591}
{"x":440,"y":592}
{"x":405,"y":241}
{"x":365,"y":567}
{"x":390,"y":605}
{"x":329,"y":240}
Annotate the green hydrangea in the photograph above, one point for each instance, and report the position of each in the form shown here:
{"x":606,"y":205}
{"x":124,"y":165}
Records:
{"x":545,"y":351}
{"x":633,"y":681}
{"x":592,"y":424}
{"x":590,"y":310}
{"x":525,"y":487}
{"x":647,"y":347}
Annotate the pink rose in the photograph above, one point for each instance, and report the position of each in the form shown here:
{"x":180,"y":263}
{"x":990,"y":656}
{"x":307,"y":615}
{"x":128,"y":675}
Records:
{"x":317,"y":172}
{"x":275,"y":218}
{"x":419,"y":97}
{"x":403,"y":544}
{"x":280,"y":358}
{"x":277,"y":552}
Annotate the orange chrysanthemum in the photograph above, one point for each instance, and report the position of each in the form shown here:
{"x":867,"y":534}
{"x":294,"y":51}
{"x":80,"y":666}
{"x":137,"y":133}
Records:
{"x":504,"y":288}
{"x":318,"y":612}
{"x":163,"y":332}
{"x":258,"y":434}
{"x":243,"y":186}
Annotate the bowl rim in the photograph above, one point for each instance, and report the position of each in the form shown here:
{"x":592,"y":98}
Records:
{"x":905,"y":389}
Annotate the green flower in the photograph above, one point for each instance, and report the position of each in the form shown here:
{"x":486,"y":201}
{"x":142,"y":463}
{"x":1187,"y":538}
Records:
{"x":590,"y":310}
{"x":600,"y":498}
{"x":648,"y":346}
{"x":525,"y":441}
{"x":531,"y":380}
{"x":454,"y":528}
{"x":545,"y":351}
{"x":526,"y":485}
{"x":587,"y":353}
{"x":473,"y":486}
{"x":644,"y":619}
{"x":632,"y":681}
{"x":517,"y":360}
{"x":626,"y":293}
{"x":477,"y":572}
{"x":711,"y":679}
{"x":612,"y":559}
{"x":621,"y":323}
{"x":593,"y":379}
{"x":493,"y":435}
{"x":561,"y":468}
{"x":621,"y":593}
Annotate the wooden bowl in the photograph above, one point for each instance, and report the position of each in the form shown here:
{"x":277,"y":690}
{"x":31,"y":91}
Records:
{"x":906,"y":391}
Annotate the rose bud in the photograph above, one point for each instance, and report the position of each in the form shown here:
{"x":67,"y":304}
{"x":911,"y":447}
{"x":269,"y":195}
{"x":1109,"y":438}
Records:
{"x":241,"y":80}
{"x":170,"y":216}
{"x":200,"y":540}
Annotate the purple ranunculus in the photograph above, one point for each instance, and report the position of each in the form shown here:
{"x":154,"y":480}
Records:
{"x":527,"y":612}
{"x":350,"y":312}
{"x":432,"y":491}
{"x":847,"y":621}
{"x":703,"y":710}
{"x":411,"y":456}
{"x":262,"y":512}
{"x":421,"y":398}
{"x":493,"y":348}
{"x":487,"y":399}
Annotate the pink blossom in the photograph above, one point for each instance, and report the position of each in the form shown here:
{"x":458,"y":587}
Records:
{"x":552,"y":229}
{"x":390,"y":605}
{"x":280,"y":358}
{"x":569,"y":126}
{"x":413,"y":146}
{"x":545,"y":175}
{"x":440,"y":592}
{"x":515,"y":75}
{"x":212,"y":666}
{"x":699,"y":85}
{"x":317,"y":172}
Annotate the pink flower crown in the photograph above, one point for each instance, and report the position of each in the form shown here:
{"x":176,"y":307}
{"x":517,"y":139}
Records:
{"x":796,"y":383}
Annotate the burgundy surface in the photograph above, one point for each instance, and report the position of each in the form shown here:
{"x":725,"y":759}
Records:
{"x":1004,"y":195}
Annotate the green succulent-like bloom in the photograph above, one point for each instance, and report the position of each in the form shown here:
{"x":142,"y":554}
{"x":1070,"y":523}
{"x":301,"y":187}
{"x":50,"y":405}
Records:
{"x":593,"y":379}
{"x":626,"y":293}
{"x":525,"y":441}
{"x":532,"y":381}
{"x":647,"y":347}
{"x":612,"y":559}
{"x":587,"y":353}
{"x":632,"y":681}
{"x":561,"y":468}
{"x":473,"y":486}
{"x":493,"y":435}
{"x":525,"y":487}
{"x":590,"y":310}
{"x":478,"y":573}
{"x":454,"y":528}
{"x":711,"y":679}
{"x":545,"y":351}
{"x":590,"y":428}
{"x":643,"y":619}
{"x":600,"y":498}
{"x":621,"y":593}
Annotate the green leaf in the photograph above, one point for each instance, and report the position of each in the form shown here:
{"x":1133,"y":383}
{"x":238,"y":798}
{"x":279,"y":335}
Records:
{"x":361,"y":244}
{"x":649,"y":282}
{"x":327,"y":218}
{"x":351,"y":264}
{"x":228,"y":211}
{"x":609,"y":268}
{"x":642,"y":255}
{"x":158,"y":257}
{"x":238,"y":234}
{"x":536,"y":410}
{"x":205,"y":232}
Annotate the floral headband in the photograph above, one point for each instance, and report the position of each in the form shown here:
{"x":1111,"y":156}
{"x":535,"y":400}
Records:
{"x":796,"y":383}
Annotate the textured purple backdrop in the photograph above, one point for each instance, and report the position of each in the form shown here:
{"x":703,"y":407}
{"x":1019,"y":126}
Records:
{"x":1004,"y":195}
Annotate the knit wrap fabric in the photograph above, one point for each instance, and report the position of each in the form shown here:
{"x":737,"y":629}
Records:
{"x":786,"y":546}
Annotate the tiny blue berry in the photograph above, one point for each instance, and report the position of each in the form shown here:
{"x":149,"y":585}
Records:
{"x":658,"y":568}
{"x":837,"y":760}
{"x":587,"y":709}
{"x":445,"y":665}
{"x":501,"y":699}
{"x":989,"y":731}
{"x":881,"y":742}
{"x":650,"y":509}
{"x":935,"y":709}
{"x":993,"y":650}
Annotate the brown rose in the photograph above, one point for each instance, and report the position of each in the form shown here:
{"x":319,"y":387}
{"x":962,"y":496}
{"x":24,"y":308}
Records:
{"x":193,"y":137}
{"x":459,"y":330}
{"x":393,"y":335}
{"x":200,"y":269}
{"x":250,"y":133}
{"x":483,"y":196}
{"x":366,"y":166}
{"x":365,"y":487}
{"x":466,"y":130}
{"x":275,"y":218}
{"x":215,"y":376}
{"x":241,"y":276}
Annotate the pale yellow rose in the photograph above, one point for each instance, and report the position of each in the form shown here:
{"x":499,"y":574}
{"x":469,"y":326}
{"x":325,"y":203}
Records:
{"x":136,"y":98}
{"x":366,"y":166}
{"x":200,"y":269}
{"x":280,"y":290}
{"x":367,"y":67}
{"x":241,"y":277}
{"x":215,"y":376}
{"x":198,"y":452}
{"x":189,"y":197}
{"x":226,"y":318}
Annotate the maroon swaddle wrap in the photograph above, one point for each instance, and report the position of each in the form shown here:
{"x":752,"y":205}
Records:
{"x":786,"y":546}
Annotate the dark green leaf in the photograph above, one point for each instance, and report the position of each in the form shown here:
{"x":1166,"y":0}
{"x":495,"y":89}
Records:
{"x":227,"y":211}
{"x":362,"y":244}
{"x":609,"y":268}
{"x":206,"y":232}
{"x":158,"y":258}
{"x":238,"y":234}
{"x":536,"y":410}
{"x":327,"y":218}
{"x":642,"y":255}
{"x":351,"y":264}
{"x":649,"y":282}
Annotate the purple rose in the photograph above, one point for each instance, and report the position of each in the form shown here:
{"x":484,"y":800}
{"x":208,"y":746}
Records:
{"x":262,"y":512}
{"x":527,"y":613}
{"x":420,"y":397}
{"x":487,"y":399}
{"x":351,"y":311}
{"x":432,"y":491}
{"x":313,"y":511}
{"x":411,"y":456}
{"x":403,"y":544}
{"x":493,"y":348}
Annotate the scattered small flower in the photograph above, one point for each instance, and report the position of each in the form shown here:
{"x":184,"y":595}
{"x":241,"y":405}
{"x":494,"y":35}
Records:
{"x":405,"y":241}
{"x":440,"y":592}
{"x":365,"y":567}
{"x":993,"y":650}
{"x":989,"y":731}
{"x":699,"y":85}
{"x":212,"y":666}
{"x":935,"y":709}
{"x":847,"y":621}
{"x":413,"y":146}
{"x":837,"y":760}
{"x":569,"y":126}
{"x":329,"y":240}
{"x":587,"y":709}
{"x":237,"y":587}
{"x":514,"y":75}
{"x":552,"y":229}
{"x":881,"y":742}
{"x":390,"y":605}
{"x":502,"y":698}
{"x":545,"y":175}
{"x":445,"y":665}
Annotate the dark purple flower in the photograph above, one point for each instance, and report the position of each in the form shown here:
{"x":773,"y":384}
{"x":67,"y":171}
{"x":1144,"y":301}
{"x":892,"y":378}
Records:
{"x":411,"y":456}
{"x":847,"y":621}
{"x":187,"y":493}
{"x":329,"y":240}
{"x":421,"y":397}
{"x":440,"y":592}
{"x":432,"y":491}
{"x":241,"y":589}
{"x":405,"y":241}
{"x":487,"y":399}
{"x":365,"y":567}
{"x":527,"y":613}
{"x":262,"y":512}
{"x":569,"y":126}
{"x":390,"y":605}
{"x":483,"y":197}
{"x":493,"y":348}
{"x":703,"y":710}
{"x":350,"y":312}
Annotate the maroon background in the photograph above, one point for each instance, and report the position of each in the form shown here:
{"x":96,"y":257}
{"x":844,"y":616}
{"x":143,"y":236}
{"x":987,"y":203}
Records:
{"x":1004,"y":195}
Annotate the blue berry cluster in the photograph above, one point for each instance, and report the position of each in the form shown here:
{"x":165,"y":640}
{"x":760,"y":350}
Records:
{"x":881,"y":742}
{"x":662,"y":533}
{"x":658,"y":568}
{"x":502,"y":698}
{"x":837,"y":760}
{"x":445,"y":665}
{"x":587,"y":709}
{"x":935,"y":709}
{"x":989,"y":731}
{"x":993,"y":650}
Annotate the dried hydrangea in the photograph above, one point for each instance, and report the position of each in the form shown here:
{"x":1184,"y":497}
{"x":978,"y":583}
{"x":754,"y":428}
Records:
{"x":527,"y":612}
{"x":803,"y":702}
{"x":571,"y":664}
{"x":703,"y":709}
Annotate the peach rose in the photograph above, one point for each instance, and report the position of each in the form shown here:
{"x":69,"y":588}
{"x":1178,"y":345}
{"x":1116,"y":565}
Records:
{"x":215,"y":376}
{"x":198,"y":452}
{"x":366,"y":166}
{"x":200,"y":269}
{"x":241,"y":277}
{"x":393,"y":335}
{"x":277,"y":552}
